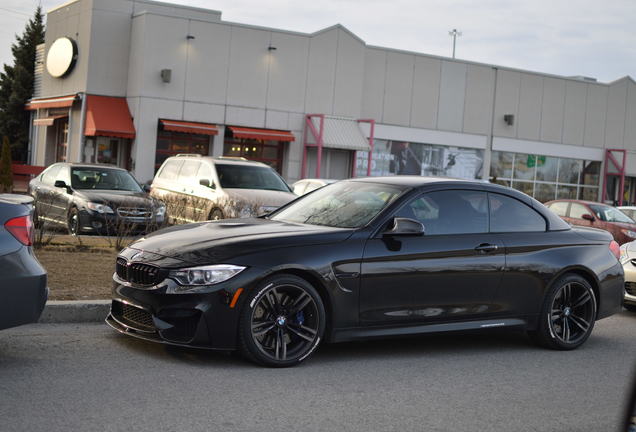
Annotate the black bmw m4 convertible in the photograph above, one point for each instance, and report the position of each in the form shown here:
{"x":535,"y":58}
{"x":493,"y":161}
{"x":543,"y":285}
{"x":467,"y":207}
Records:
{"x":369,"y":258}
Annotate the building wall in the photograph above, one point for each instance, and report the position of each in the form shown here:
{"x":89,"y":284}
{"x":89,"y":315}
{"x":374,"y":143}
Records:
{"x":227,"y":75}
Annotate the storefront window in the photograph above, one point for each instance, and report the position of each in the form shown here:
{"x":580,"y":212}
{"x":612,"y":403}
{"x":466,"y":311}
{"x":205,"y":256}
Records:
{"x":268,"y":152}
{"x":173,"y":143}
{"x":408,"y":158}
{"x":546,"y":177}
{"x":547,"y":167}
{"x":569,"y":170}
{"x":501,"y":165}
{"x":544,"y":192}
{"x":524,"y":166}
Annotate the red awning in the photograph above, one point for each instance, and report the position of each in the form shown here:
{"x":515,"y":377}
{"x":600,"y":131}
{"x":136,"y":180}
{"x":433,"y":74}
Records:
{"x":263,"y":134}
{"x":189,"y":127}
{"x":56,"y":102}
{"x":108,"y":116}
{"x":48,"y":121}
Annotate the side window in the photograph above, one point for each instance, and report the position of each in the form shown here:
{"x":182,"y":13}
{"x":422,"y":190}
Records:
{"x":49,"y":176}
{"x":449,"y":212}
{"x":63,"y":174}
{"x":205,"y":172}
{"x":577,"y":211}
{"x":510,"y":215}
{"x":170,"y":170}
{"x":560,"y":208}
{"x":188,"y":171}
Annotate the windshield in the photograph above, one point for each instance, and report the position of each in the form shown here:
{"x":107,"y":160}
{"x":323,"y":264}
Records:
{"x":103,"y":179}
{"x":250,"y":177}
{"x":342,"y":205}
{"x":610,"y":214}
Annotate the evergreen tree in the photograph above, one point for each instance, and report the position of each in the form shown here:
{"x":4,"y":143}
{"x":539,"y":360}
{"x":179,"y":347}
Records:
{"x":16,"y":86}
{"x":6,"y":175}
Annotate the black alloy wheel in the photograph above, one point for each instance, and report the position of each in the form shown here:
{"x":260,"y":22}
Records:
{"x":568,"y":315}
{"x":73,"y":221}
{"x":282,"y":322}
{"x":216,"y":214}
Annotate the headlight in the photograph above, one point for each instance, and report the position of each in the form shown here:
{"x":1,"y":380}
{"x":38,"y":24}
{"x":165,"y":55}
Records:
{"x":624,"y":255}
{"x":205,"y":275}
{"x":246,"y":212}
{"x":263,"y":210}
{"x":99,"y":208}
{"x":629,"y":233}
{"x":160,"y":210}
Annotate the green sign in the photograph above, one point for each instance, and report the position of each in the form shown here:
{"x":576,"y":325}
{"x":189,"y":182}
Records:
{"x":535,"y":160}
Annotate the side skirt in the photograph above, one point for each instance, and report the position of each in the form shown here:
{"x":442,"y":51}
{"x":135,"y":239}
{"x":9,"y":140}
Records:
{"x":356,"y":333}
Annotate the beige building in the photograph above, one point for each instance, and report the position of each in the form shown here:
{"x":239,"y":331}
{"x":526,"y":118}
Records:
{"x":145,"y":80}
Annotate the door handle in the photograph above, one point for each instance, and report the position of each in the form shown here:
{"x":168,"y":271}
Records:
{"x":486,"y":247}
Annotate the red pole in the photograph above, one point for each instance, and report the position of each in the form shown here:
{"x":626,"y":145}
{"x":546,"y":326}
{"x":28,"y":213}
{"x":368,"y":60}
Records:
{"x":319,"y":142}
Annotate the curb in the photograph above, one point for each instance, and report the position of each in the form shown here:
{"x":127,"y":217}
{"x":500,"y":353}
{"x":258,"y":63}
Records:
{"x":56,"y":311}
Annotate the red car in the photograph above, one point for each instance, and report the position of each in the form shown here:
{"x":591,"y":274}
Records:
{"x":596,"y":215}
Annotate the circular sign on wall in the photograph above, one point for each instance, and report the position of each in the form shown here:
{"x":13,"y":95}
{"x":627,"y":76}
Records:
{"x":61,"y":57}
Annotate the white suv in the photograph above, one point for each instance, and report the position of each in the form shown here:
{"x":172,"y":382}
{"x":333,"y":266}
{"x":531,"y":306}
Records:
{"x":197,"y":188}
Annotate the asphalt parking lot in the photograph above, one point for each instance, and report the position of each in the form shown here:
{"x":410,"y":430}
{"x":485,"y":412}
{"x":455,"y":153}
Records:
{"x":64,"y":377}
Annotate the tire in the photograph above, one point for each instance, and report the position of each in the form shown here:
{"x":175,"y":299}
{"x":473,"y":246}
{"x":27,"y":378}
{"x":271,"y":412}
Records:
{"x":630,"y":307}
{"x":73,"y":222}
{"x":282,"y":322}
{"x":36,"y":219}
{"x":567,"y":315}
{"x":216,"y":214}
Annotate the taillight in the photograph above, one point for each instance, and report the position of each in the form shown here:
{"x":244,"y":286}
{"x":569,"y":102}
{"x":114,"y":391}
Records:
{"x":616,"y":249}
{"x":21,"y":228}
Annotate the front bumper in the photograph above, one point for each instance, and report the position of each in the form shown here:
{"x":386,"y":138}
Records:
{"x":91,"y":221}
{"x":23,"y":291}
{"x":630,"y":283}
{"x":197,"y":320}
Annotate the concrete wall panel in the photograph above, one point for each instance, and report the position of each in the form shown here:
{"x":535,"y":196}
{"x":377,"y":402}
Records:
{"x":552,"y":109}
{"x":480,"y":82}
{"x":287,"y":72}
{"x":425,"y":100}
{"x":373,"y":83}
{"x":574,"y":113}
{"x":615,"y":122}
{"x":349,"y":71}
{"x":595,"y":114}
{"x":399,"y":88}
{"x":208,"y":62}
{"x":530,"y":103}
{"x":249,"y":61}
{"x":506,"y":102}
{"x":451,"y":96}
{"x":321,"y":72}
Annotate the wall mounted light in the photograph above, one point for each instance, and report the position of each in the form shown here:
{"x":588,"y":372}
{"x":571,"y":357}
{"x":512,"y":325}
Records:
{"x":190,"y":37}
{"x":271,"y":48}
{"x":509,"y":119}
{"x":166,"y":75}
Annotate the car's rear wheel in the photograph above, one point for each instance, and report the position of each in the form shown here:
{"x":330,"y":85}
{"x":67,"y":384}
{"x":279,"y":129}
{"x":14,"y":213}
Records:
{"x":282,"y":322}
{"x":216,"y":214}
{"x":73,"y":221}
{"x":568,"y":314}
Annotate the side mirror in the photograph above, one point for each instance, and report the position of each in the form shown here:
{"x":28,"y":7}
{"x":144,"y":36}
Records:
{"x":60,"y":184}
{"x":405,"y":227}
{"x":206,"y":183}
{"x":588,"y":217}
{"x":145,"y":187}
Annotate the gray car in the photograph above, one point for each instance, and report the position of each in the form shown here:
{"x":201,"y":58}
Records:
{"x":23,"y":290}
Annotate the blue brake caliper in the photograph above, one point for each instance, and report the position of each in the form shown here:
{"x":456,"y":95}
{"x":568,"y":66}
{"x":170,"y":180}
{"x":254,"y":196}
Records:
{"x":300,"y":317}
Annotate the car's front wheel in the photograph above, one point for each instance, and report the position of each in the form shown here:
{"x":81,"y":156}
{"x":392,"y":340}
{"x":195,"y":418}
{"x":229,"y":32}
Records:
{"x":282,"y":322}
{"x":568,"y":314}
{"x":73,"y":221}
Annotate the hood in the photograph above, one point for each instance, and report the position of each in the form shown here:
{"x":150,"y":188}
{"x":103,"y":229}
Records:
{"x":117,"y":198}
{"x":261,"y":197}
{"x":220,"y":241}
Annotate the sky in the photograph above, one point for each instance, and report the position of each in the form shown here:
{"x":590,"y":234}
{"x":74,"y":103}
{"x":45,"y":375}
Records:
{"x":590,"y":38}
